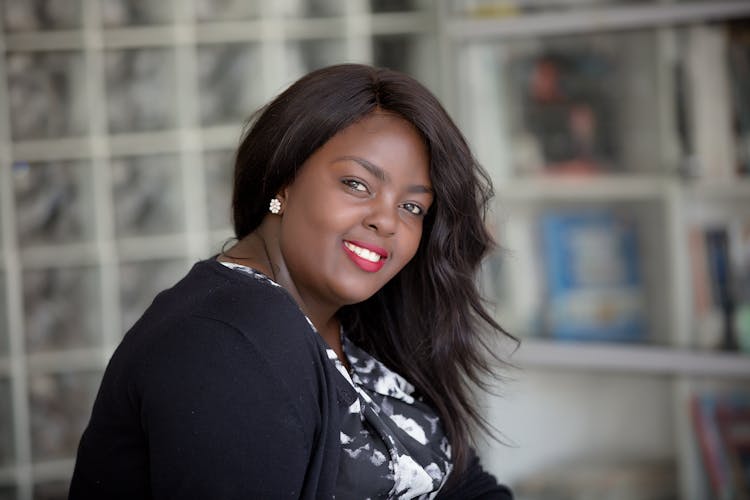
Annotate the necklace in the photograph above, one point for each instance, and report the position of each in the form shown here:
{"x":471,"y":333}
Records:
{"x":265,"y":252}
{"x":268,"y":258}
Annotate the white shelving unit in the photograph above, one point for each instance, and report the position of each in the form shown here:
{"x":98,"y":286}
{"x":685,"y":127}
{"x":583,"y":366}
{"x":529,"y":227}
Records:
{"x":150,"y":124}
{"x":596,"y":406}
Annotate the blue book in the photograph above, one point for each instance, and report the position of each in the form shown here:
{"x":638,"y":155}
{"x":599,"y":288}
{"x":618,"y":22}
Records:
{"x":594,"y":288}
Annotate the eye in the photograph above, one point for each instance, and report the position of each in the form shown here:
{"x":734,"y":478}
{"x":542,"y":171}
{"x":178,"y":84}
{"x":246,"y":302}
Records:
{"x":355,"y":185}
{"x":413,"y":208}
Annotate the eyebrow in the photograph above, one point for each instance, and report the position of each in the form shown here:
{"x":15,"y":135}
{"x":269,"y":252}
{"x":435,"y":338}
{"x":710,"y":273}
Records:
{"x":382,"y":175}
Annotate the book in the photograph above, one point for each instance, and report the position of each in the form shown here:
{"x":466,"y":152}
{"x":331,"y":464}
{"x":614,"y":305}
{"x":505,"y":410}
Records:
{"x":739,"y":249}
{"x":707,"y":319}
{"x":703,"y":412}
{"x":734,"y":427}
{"x":717,"y":253}
{"x":594,"y":289}
{"x":722,"y":428}
{"x":720,"y":270}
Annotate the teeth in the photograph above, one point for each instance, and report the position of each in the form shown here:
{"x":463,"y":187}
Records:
{"x":363,"y":252}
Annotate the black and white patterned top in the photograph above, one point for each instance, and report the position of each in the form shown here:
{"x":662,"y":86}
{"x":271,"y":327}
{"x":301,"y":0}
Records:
{"x":392,"y":444}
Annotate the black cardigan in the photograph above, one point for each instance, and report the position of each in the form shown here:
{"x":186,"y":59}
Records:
{"x":220,"y":391}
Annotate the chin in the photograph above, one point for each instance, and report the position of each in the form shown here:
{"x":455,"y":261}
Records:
{"x":354,"y":293}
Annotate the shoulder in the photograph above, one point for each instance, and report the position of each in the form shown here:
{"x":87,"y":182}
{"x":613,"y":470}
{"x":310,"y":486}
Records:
{"x":226,"y":306}
{"x":219,"y":333}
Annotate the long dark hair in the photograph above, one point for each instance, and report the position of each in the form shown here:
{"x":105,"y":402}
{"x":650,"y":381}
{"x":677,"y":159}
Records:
{"x":428,"y":323}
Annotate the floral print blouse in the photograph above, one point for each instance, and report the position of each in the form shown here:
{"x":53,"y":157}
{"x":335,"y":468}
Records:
{"x":392,"y":443}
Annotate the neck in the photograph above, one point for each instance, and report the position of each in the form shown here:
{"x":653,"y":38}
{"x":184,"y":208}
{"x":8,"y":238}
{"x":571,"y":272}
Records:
{"x":262,"y":251}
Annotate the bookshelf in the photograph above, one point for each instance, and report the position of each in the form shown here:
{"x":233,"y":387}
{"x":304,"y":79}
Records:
{"x":574,"y":402}
{"x":93,"y":142}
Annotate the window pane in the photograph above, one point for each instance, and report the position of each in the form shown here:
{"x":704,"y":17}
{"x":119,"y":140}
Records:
{"x":147,"y":193}
{"x":304,"y":56}
{"x":7,"y":452}
{"x":46,"y":93}
{"x":135,"y":12}
{"x":61,"y":308}
{"x":230,"y":82}
{"x":39,"y":15}
{"x":226,"y":10}
{"x":310,"y":8}
{"x":60,"y":406}
{"x":219,"y":176}
{"x":377,"y":6}
{"x":53,"y":202}
{"x":140,"y":282}
{"x":414,"y":55}
{"x":140,"y":89}
{"x":4,"y":325}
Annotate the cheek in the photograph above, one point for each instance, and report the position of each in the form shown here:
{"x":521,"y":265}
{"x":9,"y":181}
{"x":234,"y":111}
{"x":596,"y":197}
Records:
{"x":317,"y":226}
{"x":410,"y":243}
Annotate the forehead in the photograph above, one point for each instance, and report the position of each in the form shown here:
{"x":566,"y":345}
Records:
{"x":381,"y":136}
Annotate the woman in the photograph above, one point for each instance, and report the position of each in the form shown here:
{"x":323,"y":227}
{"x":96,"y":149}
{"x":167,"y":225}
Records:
{"x":327,"y":353}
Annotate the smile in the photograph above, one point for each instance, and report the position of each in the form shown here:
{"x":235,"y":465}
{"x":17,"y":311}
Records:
{"x":368,"y":259}
{"x":363,"y":252}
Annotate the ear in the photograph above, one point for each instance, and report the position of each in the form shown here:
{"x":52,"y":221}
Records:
{"x":282,"y":196}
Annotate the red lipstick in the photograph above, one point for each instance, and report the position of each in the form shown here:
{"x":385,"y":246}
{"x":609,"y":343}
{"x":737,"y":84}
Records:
{"x":361,"y":262}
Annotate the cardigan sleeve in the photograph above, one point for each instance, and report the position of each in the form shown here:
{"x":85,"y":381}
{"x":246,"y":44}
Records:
{"x":222,"y":424}
{"x":221,"y":390}
{"x":203,"y":414}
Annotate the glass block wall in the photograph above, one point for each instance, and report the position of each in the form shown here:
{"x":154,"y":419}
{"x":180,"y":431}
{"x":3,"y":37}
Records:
{"x":118,"y":122}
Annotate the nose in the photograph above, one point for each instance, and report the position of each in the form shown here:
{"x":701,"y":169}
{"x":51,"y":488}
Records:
{"x":382,"y":217}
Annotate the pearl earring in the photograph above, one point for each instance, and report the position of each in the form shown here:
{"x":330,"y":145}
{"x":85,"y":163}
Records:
{"x":275,"y":206}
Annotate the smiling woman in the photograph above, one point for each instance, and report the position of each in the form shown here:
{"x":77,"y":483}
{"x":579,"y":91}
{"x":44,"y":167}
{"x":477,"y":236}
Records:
{"x":329,"y":351}
{"x":357,"y":204}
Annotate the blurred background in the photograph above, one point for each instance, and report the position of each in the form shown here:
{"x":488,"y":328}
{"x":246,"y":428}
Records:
{"x":617,"y":133}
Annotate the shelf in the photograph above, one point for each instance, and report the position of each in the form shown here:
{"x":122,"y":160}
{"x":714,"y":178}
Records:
{"x":59,"y":255}
{"x":70,"y":148}
{"x":221,"y":137}
{"x":597,"y":19}
{"x":7,"y":475}
{"x":141,"y":36}
{"x":734,"y":189}
{"x":220,"y":32}
{"x":53,"y":470}
{"x":400,"y":23}
{"x":127,"y":144}
{"x":71,"y":360}
{"x":139,"y":248}
{"x":44,"y":41}
{"x":633,"y":359}
{"x":129,"y":249}
{"x":147,"y":143}
{"x":580,"y":188}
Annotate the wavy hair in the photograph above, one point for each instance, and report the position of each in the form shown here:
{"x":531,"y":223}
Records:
{"x":428,"y":323}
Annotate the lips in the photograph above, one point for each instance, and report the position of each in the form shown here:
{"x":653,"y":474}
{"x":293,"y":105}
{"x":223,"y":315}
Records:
{"x":367,"y":257}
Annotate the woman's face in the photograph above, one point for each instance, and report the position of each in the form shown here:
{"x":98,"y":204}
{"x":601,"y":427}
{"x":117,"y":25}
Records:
{"x":352,"y":218}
